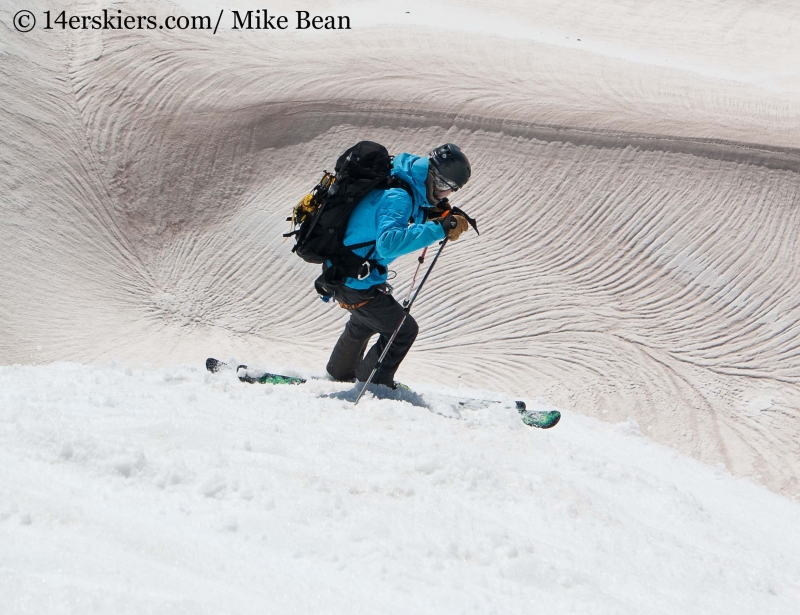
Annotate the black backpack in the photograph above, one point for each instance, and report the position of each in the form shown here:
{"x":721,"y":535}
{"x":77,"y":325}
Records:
{"x":323,"y":214}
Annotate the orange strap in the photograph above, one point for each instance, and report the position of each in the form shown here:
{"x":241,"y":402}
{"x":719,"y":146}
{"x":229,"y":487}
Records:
{"x":354,"y":306}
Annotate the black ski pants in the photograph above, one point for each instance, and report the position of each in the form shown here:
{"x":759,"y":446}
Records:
{"x":381,"y":315}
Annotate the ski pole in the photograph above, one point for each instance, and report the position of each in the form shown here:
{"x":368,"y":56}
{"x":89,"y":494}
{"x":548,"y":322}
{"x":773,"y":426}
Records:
{"x":406,"y":310}
{"x":420,"y":260}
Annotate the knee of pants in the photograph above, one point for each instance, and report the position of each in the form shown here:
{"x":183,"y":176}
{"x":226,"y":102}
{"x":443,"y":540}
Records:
{"x":338,"y":373}
{"x":409,"y":330}
{"x":331,"y":369}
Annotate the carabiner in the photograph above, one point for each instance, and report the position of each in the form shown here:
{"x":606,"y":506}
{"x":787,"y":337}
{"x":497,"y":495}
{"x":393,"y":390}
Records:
{"x":369,"y":270}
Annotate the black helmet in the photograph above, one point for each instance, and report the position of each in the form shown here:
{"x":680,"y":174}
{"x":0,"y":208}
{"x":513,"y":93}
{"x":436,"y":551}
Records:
{"x":449,"y":163}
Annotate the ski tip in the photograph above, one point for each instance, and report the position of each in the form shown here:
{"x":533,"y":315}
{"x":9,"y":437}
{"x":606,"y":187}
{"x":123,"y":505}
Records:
{"x":543,"y":419}
{"x":213,"y":365}
{"x":556,"y":418}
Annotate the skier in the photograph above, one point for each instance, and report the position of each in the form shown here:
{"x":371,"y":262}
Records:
{"x":391,"y":223}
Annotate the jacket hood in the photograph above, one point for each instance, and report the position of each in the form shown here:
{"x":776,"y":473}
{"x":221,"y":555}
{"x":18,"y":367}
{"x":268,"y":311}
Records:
{"x":414,"y":171}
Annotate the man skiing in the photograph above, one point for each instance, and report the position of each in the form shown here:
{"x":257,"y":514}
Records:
{"x":355,"y":222}
{"x":390,"y":223}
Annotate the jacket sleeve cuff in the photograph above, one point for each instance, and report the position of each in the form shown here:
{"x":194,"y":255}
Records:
{"x":439,"y":230}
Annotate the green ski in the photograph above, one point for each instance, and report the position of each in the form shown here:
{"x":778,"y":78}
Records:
{"x":543,"y":419}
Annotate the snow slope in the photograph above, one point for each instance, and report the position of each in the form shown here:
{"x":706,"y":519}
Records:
{"x":133,"y":490}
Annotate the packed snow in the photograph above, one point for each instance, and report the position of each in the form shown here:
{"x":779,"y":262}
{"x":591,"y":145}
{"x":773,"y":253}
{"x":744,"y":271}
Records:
{"x":133,"y":490}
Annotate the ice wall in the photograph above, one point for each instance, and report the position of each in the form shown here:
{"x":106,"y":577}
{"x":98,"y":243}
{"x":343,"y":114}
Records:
{"x":638,"y":255}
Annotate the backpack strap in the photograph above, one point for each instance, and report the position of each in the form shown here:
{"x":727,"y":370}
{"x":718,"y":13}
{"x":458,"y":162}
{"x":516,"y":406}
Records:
{"x":396,"y":182}
{"x":356,"y":266}
{"x":359,"y":267}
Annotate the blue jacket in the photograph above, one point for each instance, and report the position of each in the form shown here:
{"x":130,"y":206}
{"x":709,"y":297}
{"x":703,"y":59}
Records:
{"x":389,"y":218}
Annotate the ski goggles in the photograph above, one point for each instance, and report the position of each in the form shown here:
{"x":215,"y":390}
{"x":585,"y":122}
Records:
{"x":442,"y":184}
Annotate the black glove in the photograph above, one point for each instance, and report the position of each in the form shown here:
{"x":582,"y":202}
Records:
{"x":440,"y":211}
